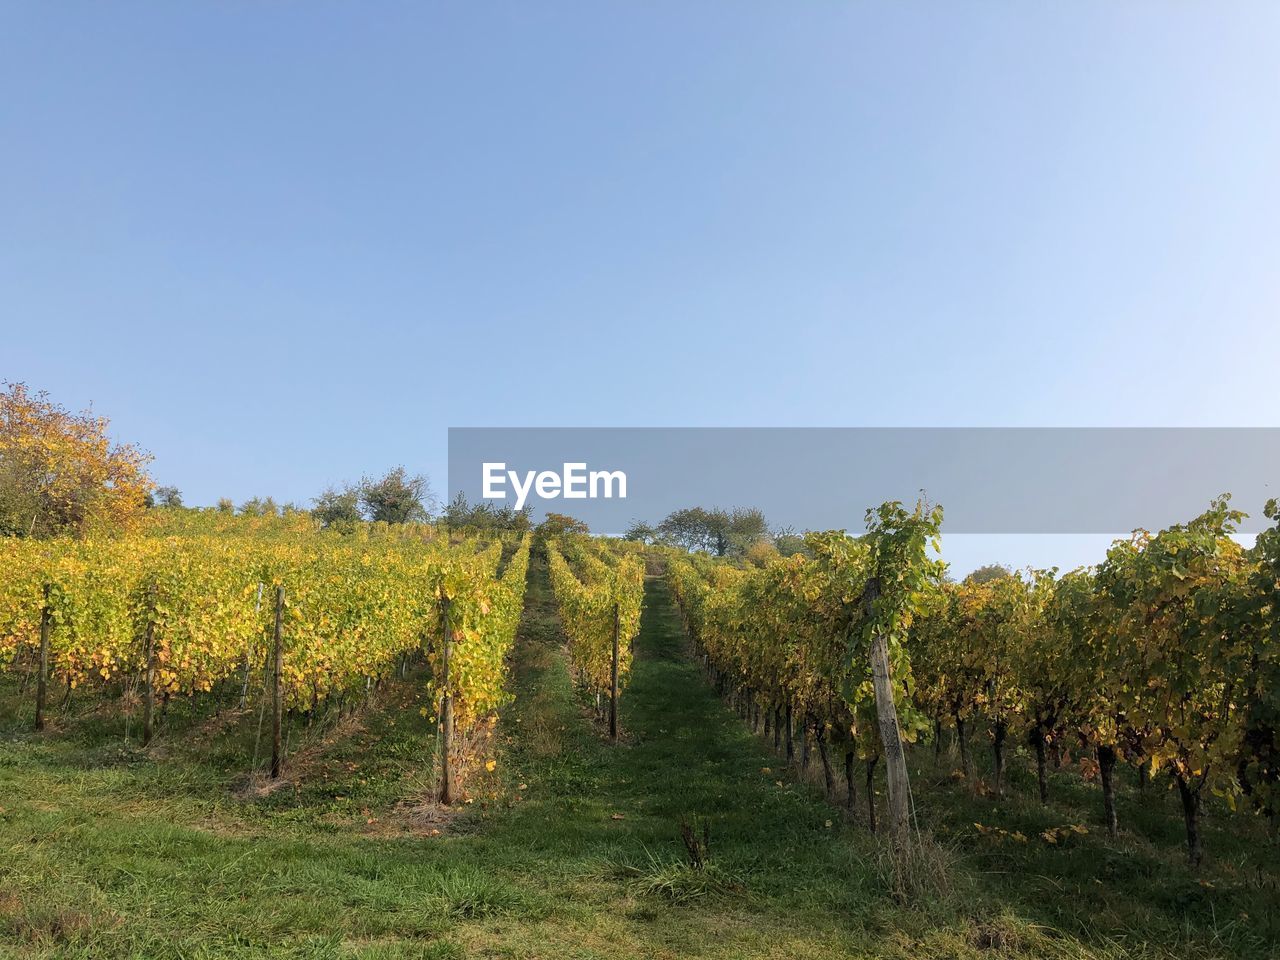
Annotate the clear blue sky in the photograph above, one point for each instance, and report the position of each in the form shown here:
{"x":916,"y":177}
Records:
{"x":284,"y":244}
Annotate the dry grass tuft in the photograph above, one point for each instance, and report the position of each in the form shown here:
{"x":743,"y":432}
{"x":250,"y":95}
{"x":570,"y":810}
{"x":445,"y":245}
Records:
{"x":919,"y":871}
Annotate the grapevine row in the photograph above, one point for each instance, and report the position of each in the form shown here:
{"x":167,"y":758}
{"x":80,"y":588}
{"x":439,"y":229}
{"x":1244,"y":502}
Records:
{"x":599,"y":594}
{"x":190,"y":612}
{"x":1165,"y":656}
{"x":821,"y":638}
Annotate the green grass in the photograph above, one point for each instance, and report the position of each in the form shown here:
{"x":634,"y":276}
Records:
{"x":571,"y":848}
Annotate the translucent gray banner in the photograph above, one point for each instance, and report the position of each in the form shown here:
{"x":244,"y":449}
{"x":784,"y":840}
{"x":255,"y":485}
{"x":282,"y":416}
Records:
{"x":988,"y":480}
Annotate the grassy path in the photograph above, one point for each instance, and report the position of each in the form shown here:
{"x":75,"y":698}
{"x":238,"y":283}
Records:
{"x":569,"y":849}
{"x":599,"y":825}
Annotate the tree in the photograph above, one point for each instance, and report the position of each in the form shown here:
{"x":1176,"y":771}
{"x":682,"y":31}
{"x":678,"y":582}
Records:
{"x":689,"y":528}
{"x":558,"y":524}
{"x":460,"y":514}
{"x":167,"y":497}
{"x":641,"y":532}
{"x":989,"y":572}
{"x":508,"y":517}
{"x":337,"y":507}
{"x":260,"y":507}
{"x":788,"y":542}
{"x":225,"y":505}
{"x":458,"y":511}
{"x":60,"y":472}
{"x":397,"y":497}
{"x":743,"y":527}
{"x":719,"y":532}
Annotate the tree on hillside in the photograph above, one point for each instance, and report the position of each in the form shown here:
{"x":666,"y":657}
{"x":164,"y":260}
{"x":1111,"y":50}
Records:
{"x":167,"y":497}
{"x":556,"y":524}
{"x":689,"y":528}
{"x":337,"y":506}
{"x":460,"y":514}
{"x":744,"y":527}
{"x":788,"y":542}
{"x":719,"y":532}
{"x":397,"y":497}
{"x":260,"y":507}
{"x":989,"y":572}
{"x":60,"y":472}
{"x":641,"y":532}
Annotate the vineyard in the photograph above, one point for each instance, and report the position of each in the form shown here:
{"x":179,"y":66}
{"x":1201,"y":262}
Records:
{"x":487,"y":743}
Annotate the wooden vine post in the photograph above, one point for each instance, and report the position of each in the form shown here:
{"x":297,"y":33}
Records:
{"x":277,"y":698}
{"x":887,"y":719}
{"x":42,"y":680}
{"x":613,"y":678}
{"x":446,"y":708}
